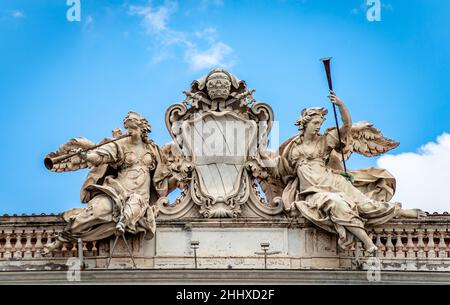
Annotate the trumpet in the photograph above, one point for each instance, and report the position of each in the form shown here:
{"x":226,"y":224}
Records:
{"x":49,"y":162}
{"x":326,"y":64}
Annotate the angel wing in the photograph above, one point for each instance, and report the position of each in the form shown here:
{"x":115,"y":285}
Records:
{"x":363,"y":139}
{"x":369,"y":141}
{"x":272,"y":188}
{"x":74,"y":163}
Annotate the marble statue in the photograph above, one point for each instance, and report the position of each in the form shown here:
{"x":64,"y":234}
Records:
{"x":315,"y":185}
{"x":219,"y":160}
{"x":127,"y":177}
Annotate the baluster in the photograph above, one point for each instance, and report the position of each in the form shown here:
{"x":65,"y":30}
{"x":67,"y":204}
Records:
{"x":410,"y":246}
{"x":22,"y":244}
{"x":64,"y":249}
{"x":38,"y":245}
{"x":74,"y":249}
{"x":49,"y":242}
{"x":436,"y":244}
{"x":430,"y":245}
{"x":420,"y":245}
{"x":448,"y":245}
{"x":398,"y":245}
{"x":389,"y":246}
{"x":2,"y":250}
{"x":28,"y":246}
{"x":405,"y":248}
{"x":94,"y":248}
{"x":85,"y":249}
{"x":8,"y":245}
{"x":13,"y":243}
{"x":442,"y":246}
{"x":416,"y":247}
{"x":379,"y":244}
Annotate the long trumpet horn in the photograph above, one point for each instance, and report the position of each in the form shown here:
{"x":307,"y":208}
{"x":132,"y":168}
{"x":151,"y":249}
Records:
{"x":49,"y":162}
{"x":326,"y":64}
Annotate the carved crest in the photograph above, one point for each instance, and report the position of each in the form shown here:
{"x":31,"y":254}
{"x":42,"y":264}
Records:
{"x":221,"y":132}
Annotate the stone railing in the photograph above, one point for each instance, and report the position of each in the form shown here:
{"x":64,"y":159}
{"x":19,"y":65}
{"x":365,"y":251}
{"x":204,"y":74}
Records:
{"x":23,"y":237}
{"x":428,"y":238}
{"x":23,"y":243}
{"x":416,"y":244}
{"x":403,"y":244}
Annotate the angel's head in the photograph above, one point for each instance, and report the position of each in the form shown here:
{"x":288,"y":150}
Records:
{"x":136,"y":124}
{"x":311,"y":120}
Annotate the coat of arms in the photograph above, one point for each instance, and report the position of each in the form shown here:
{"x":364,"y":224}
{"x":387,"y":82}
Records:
{"x":219,"y":150}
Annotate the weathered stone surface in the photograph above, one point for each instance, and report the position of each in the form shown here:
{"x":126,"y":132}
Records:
{"x":232,"y":243}
{"x":192,"y":276}
{"x":220,"y":161}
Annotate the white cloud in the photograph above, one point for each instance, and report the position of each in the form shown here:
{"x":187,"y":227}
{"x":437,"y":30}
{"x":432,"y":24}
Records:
{"x":156,"y":22}
{"x":17,"y":14}
{"x":209,"y":34}
{"x":423,"y":177}
{"x":155,"y":19}
{"x":215,"y":56}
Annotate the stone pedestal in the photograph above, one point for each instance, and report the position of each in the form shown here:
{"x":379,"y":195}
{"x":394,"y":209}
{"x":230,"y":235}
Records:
{"x":234,"y":244}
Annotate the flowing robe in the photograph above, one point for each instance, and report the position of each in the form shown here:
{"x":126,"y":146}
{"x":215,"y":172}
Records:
{"x":124,"y":185}
{"x":327,"y":198}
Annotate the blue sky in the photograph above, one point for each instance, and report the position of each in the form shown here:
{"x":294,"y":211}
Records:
{"x":61,"y":79}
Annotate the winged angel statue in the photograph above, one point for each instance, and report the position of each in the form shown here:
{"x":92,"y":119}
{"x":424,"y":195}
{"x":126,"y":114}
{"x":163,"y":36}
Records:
{"x":126,"y":179}
{"x":311,"y":181}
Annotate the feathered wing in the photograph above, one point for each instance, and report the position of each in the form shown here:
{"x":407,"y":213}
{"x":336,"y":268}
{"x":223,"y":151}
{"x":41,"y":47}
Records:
{"x":369,"y":141}
{"x":96,"y":174}
{"x":272,"y":187}
{"x":74,"y":163}
{"x":363,"y":139}
{"x":378,"y":184}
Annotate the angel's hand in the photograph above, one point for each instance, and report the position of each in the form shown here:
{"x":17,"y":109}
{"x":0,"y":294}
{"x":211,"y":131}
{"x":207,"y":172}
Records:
{"x":90,"y":157}
{"x":334,"y":99}
{"x":77,"y":159}
{"x":82,"y":154}
{"x":348,"y":176}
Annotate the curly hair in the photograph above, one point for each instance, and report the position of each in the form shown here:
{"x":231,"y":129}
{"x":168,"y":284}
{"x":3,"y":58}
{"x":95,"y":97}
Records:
{"x":308,"y":114}
{"x":143,"y":124}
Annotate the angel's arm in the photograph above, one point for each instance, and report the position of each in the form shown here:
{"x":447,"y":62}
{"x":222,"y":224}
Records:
{"x":108,"y":153}
{"x":345,"y":115}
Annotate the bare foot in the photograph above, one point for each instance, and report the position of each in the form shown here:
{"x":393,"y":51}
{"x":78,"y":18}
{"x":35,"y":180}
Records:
{"x":420,"y":213}
{"x":46,"y":250}
{"x":412,"y":213}
{"x":372,"y":249}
